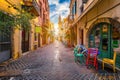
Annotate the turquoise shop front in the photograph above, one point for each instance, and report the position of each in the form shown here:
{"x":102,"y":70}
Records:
{"x":105,"y":35}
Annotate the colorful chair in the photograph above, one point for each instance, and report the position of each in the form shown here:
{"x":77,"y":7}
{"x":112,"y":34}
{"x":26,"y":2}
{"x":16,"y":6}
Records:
{"x":78,"y":56}
{"x":109,"y":61}
{"x":92,"y":57}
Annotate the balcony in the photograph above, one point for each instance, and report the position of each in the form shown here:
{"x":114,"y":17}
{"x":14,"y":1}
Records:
{"x":36,"y":6}
{"x":31,"y":6}
{"x":27,"y":2}
{"x":85,"y":1}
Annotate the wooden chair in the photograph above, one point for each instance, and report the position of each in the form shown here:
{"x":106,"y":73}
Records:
{"x":92,"y":57}
{"x":110,"y":61}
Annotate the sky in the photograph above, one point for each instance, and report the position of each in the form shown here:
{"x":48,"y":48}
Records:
{"x":58,"y":7}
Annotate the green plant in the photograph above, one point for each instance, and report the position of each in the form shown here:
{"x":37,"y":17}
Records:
{"x":20,"y":21}
{"x":6,"y":22}
{"x":23,"y":20}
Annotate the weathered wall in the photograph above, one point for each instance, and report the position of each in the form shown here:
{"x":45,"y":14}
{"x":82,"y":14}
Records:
{"x":106,"y":8}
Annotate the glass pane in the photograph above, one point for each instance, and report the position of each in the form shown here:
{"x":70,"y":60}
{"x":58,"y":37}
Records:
{"x":5,"y":32}
{"x":105,"y":38}
{"x":91,"y":39}
{"x":97,"y":37}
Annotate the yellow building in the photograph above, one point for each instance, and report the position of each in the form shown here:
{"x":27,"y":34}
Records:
{"x":8,"y":10}
{"x":65,"y":32}
{"x":44,"y":20}
{"x":14,"y":41}
{"x":51,"y":33}
{"x":48,"y":33}
{"x":98,"y":25}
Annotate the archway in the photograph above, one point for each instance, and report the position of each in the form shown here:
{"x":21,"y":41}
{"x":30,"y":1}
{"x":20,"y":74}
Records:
{"x":105,"y":35}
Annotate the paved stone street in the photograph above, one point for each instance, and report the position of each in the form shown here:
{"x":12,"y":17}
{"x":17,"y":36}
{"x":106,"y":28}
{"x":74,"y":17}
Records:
{"x":52,"y":62}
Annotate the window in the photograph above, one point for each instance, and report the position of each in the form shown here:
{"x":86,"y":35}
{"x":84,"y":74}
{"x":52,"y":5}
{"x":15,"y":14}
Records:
{"x":35,"y":36}
{"x":94,"y":37}
{"x":75,"y":7}
{"x":85,"y":1}
{"x":81,"y":8}
{"x":40,"y":11}
{"x":73,"y":10}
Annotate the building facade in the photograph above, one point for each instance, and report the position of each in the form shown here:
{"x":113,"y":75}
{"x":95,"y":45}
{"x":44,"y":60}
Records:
{"x":74,"y":14}
{"x":9,"y":37}
{"x":99,"y":26}
{"x":15,"y":41}
{"x":44,"y":20}
{"x":66,"y":35}
{"x":51,"y":33}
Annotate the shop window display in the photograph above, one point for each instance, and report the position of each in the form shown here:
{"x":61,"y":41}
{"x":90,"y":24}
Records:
{"x":105,"y":38}
{"x":115,"y":37}
{"x":91,"y":40}
{"x":94,"y":38}
{"x":97,"y":37}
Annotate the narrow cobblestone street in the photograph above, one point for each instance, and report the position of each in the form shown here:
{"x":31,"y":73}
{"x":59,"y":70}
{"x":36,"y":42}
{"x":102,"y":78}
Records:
{"x":52,"y":62}
{"x":60,"y":40}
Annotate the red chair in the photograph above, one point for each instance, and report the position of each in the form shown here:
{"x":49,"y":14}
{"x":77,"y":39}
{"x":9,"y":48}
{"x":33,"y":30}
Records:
{"x":92,"y":57}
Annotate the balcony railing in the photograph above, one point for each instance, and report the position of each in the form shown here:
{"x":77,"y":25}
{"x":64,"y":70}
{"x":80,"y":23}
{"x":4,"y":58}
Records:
{"x":34,"y":6}
{"x":28,"y":2}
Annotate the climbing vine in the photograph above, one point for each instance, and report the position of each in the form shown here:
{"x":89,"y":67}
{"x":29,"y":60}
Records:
{"x":20,"y":21}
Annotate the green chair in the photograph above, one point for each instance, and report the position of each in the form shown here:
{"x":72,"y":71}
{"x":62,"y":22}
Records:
{"x":78,"y":56}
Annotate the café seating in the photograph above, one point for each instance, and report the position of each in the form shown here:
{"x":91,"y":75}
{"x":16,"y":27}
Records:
{"x":92,"y":57}
{"x":109,"y":61}
{"x":78,"y":56}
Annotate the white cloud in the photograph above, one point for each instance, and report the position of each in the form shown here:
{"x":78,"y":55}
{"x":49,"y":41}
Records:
{"x":56,"y":29}
{"x":61,"y":9}
{"x":53,"y":2}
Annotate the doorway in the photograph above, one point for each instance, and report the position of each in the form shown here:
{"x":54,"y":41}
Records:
{"x":25,"y":41}
{"x":100,"y":37}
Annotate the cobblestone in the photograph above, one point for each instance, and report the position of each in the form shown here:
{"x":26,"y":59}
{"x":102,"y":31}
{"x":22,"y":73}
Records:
{"x":52,"y":62}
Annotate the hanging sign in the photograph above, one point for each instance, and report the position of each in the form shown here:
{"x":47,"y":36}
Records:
{"x":38,"y":29}
{"x":115,"y":43}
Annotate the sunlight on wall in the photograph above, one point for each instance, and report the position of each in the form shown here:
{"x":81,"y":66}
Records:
{"x":56,"y":29}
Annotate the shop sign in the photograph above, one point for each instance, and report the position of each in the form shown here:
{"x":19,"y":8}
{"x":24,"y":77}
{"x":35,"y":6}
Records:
{"x":38,"y":29}
{"x":115,"y":43}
